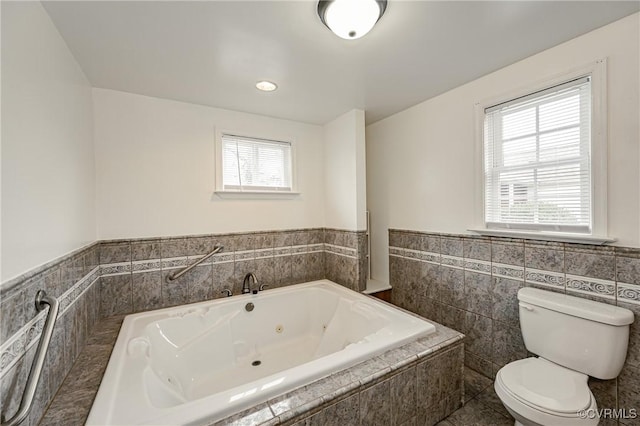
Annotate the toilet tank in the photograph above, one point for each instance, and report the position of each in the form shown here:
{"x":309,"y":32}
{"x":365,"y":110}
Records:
{"x":580,"y":334}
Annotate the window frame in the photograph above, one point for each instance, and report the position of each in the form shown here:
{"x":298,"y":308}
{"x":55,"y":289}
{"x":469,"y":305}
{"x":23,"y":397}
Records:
{"x":597,"y":72}
{"x":253,"y":193}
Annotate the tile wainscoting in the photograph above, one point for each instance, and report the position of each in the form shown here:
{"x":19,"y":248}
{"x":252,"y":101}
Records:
{"x":470,"y":284}
{"x":126,"y":276}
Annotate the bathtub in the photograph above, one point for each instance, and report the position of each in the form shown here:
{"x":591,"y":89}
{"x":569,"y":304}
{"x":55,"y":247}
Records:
{"x":200,"y":363}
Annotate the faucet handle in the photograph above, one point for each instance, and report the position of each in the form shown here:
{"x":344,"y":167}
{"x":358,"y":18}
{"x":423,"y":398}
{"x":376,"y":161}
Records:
{"x":262,"y":286}
{"x":227,"y":291}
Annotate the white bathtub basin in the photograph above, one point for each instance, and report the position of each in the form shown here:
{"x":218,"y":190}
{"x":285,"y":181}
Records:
{"x":202,"y":362}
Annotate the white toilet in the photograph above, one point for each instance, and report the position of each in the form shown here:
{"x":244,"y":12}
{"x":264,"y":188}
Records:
{"x":574,"y":338}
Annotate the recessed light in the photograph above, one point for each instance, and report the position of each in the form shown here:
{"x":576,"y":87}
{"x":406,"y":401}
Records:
{"x":266,"y":86}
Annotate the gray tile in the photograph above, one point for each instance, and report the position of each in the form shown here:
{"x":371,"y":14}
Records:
{"x":474,"y":383}
{"x":452,"y":317}
{"x":282,"y":271}
{"x":452,"y":287}
{"x":507,"y":344}
{"x":265,"y":271}
{"x":477,"y":291}
{"x":375,"y":404}
{"x":12,"y":386}
{"x":546,"y":257}
{"x":396,"y":239}
{"x":263,"y":240}
{"x":299,"y":268}
{"x":593,"y":264}
{"x":345,"y":412}
{"x":174,"y":247}
{"x":244,"y":242}
{"x":477,"y":248}
{"x":489,"y":398}
{"x":200,"y":246}
{"x":115,"y":295}
{"x":479,"y":331}
{"x":144,"y":250}
{"x":605,"y":392}
{"x":223,"y":277}
{"x":629,"y":390}
{"x":438,"y":377}
{"x":252,"y":416}
{"x":511,"y":253}
{"x":430,"y":280}
{"x":403,"y":396}
{"x":12,"y":315}
{"x":628,"y":270}
{"x":315,"y":264}
{"x":504,"y":293}
{"x":452,"y":246}
{"x":429,"y":243}
{"x":478,"y":364}
{"x":55,"y":359}
{"x":476,"y":414}
{"x":52,"y":282}
{"x":174,"y":292}
{"x":115,"y":252}
{"x":147,"y":291}
{"x":200,"y":280}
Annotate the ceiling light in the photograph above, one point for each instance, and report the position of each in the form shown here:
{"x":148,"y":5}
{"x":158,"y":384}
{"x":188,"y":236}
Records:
{"x":351,"y":19}
{"x":266,"y":86}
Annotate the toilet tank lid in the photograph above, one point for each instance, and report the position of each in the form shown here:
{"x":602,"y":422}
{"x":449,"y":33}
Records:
{"x":576,"y":306}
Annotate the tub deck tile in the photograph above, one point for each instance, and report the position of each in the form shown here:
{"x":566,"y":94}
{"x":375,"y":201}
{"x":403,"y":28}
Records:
{"x":73,"y":401}
{"x":258,"y":415}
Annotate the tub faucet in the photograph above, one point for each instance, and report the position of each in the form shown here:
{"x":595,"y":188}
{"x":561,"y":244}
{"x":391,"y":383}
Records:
{"x":246,"y":283}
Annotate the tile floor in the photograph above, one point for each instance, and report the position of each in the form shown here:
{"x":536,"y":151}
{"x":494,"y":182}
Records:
{"x":482,"y":406}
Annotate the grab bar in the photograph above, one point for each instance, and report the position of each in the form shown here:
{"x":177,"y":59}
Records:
{"x":177,"y":275}
{"x":38,"y":361}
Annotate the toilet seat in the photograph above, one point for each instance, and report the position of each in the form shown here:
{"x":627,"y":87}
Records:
{"x":545,"y":393}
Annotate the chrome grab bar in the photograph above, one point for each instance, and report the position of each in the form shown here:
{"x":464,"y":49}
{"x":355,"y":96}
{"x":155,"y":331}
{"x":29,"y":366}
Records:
{"x":38,"y":361}
{"x":177,"y":275}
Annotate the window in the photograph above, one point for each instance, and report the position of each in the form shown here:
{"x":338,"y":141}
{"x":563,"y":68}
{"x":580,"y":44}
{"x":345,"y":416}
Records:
{"x":255,"y":165}
{"x":537,"y":160}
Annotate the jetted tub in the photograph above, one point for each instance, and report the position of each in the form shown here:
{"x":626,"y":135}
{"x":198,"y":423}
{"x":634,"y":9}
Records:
{"x":200,"y":363}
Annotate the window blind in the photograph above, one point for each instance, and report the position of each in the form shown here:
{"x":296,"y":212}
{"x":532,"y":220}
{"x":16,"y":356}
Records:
{"x":250,"y":164}
{"x":537,"y":160}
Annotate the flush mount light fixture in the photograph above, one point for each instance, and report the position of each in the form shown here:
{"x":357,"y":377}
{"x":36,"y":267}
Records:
{"x":266,"y":86}
{"x":351,"y":19}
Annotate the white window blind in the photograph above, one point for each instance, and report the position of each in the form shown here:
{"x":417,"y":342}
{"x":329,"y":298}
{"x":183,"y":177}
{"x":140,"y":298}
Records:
{"x":250,"y":164}
{"x":537,"y":160}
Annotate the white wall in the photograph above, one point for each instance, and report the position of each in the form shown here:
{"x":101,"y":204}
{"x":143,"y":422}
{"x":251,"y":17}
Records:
{"x":48,"y":176}
{"x":156,"y":170}
{"x":421,"y":161}
{"x":345,"y":172}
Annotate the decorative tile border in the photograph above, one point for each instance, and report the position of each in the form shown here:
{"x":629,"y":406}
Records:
{"x":629,"y":293}
{"x":507,"y":271}
{"x":593,"y":286}
{"x":17,"y":345}
{"x":545,"y":278}
{"x":578,"y":284}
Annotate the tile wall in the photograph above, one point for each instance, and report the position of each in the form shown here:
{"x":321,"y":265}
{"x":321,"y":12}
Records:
{"x":470,"y":284}
{"x":118,"y":277}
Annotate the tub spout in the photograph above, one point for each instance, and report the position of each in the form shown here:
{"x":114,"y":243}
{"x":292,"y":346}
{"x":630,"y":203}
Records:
{"x":246,"y":283}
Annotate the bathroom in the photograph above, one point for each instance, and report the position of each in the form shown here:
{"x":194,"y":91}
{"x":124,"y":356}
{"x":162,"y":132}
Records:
{"x":112,"y":131}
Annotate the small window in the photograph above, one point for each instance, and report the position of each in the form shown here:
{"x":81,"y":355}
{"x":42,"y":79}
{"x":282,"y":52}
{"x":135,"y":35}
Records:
{"x":255,"y":165}
{"x":537,"y":160}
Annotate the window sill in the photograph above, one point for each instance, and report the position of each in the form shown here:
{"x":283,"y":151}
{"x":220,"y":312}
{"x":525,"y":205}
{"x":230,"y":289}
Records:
{"x":545,"y":236}
{"x":256,"y":195}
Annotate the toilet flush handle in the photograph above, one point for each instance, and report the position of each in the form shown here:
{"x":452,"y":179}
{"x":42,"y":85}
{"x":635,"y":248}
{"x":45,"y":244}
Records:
{"x":527,"y":307}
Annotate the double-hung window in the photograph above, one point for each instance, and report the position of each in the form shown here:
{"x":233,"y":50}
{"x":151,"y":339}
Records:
{"x":538,"y":160}
{"x":255,"y":165}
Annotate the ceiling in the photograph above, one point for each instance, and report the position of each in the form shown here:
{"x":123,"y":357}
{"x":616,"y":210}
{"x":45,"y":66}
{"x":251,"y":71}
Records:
{"x":212,"y":53}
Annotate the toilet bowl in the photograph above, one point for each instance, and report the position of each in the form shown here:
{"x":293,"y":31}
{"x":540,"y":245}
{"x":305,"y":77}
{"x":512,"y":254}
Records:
{"x":574,"y":339}
{"x":538,"y":392}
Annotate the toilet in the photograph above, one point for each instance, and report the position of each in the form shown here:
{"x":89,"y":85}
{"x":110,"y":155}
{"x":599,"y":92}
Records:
{"x":573,"y":339}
